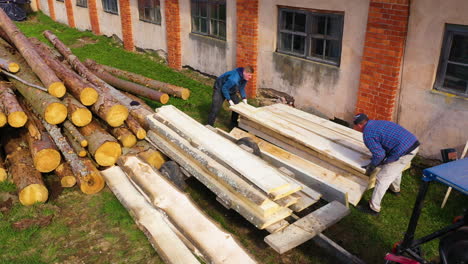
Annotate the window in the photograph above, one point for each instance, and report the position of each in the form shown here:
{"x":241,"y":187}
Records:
{"x":452,"y":75}
{"x":209,"y":18}
{"x":82,"y":3}
{"x":313,"y":35}
{"x":110,"y":6}
{"x":150,"y":11}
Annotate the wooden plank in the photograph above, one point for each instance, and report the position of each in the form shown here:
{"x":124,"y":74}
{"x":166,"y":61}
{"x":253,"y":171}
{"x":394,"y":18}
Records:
{"x":248,"y":165}
{"x":152,"y":222}
{"x":277,"y":226}
{"x":307,"y":227}
{"x":216,"y":245}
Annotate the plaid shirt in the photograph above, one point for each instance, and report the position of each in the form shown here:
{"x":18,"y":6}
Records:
{"x":387,"y":141}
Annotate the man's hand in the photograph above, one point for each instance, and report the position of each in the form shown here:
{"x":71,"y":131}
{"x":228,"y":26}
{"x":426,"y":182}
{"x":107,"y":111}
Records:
{"x":231,"y":103}
{"x":369,"y":169}
{"x":244,"y":101}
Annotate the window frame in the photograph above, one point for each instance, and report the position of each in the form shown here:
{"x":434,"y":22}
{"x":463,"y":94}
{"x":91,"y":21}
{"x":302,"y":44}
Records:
{"x":449,"y":31}
{"x":148,"y":20}
{"x":116,"y":12}
{"x":209,"y":4}
{"x":310,"y":14}
{"x":79,"y":3}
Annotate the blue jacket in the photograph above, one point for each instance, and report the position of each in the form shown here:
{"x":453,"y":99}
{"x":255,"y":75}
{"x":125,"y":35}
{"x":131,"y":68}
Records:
{"x":231,"y":82}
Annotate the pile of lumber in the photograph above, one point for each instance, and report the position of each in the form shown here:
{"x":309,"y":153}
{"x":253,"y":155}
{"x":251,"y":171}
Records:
{"x":322,"y":154}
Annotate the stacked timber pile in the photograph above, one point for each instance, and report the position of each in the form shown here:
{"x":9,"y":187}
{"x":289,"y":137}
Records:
{"x":325,"y":155}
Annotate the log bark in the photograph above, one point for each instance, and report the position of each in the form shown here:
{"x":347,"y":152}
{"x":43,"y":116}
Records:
{"x":9,"y":66}
{"x":146,"y":152}
{"x":76,"y":85}
{"x":15,"y":114}
{"x":21,"y":42}
{"x":3,"y":172}
{"x":170,"y":89}
{"x":3,"y":116}
{"x":49,"y":107}
{"x":78,"y":114}
{"x":28,"y":180}
{"x":104,"y":147}
{"x":127,"y":86}
{"x":79,"y":150}
{"x":70,"y":128}
{"x":139,"y":100}
{"x":135,"y":127}
{"x":65,"y":174}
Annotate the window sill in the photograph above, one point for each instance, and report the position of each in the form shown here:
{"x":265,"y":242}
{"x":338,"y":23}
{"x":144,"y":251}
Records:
{"x":201,"y":36}
{"x":112,"y":13}
{"x":150,"y":22}
{"x":82,"y":6}
{"x":306,"y":60}
{"x":447,"y":94}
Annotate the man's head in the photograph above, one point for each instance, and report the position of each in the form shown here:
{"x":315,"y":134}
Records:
{"x":360,"y":120}
{"x":248,"y":72}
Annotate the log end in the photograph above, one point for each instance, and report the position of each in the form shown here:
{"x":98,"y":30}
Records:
{"x":3,"y":119}
{"x":84,"y":143}
{"x":185,"y":94}
{"x":81,"y":117}
{"x":68,"y":181}
{"x":3,"y":175}
{"x":164,"y":98}
{"x":128,"y":141}
{"x":55,"y":113}
{"x":82,"y":153}
{"x":117,"y":115}
{"x":141,"y":133}
{"x":47,"y":160}
{"x":93,"y":184}
{"x":17,"y":119}
{"x":13,"y":67}
{"x":108,"y":153}
{"x":57,"y":89}
{"x":153,"y":158}
{"x":34,"y":193}
{"x":88,"y":96}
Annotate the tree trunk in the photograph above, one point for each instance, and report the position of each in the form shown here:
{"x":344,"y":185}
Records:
{"x":77,"y":86}
{"x":146,"y":152}
{"x":79,"y":150}
{"x":9,"y":66}
{"x":95,"y":182}
{"x":49,"y":107}
{"x":14,"y":112}
{"x":104,"y":147}
{"x":3,"y":116}
{"x":135,"y":127}
{"x":65,"y":174}
{"x":139,"y":100}
{"x":28,"y":180}
{"x":3,"y":173}
{"x":126,"y":85}
{"x":70,"y":128}
{"x":78,"y":114}
{"x":124,"y":135}
{"x":47,"y":76}
{"x":170,"y":89}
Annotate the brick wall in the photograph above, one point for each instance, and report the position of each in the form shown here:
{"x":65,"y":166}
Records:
{"x":174,"y":47}
{"x":93,"y":17}
{"x":51,"y":9}
{"x":382,"y":59}
{"x":126,"y":18}
{"x":247,"y":40}
{"x":70,"y":16}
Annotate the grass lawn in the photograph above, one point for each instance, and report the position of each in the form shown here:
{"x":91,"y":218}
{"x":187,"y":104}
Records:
{"x":97,"y":229}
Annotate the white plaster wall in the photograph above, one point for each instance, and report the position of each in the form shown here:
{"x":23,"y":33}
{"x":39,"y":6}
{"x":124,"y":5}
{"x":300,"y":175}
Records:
{"x":44,"y":7}
{"x":148,"y":35}
{"x":439,"y":120}
{"x":109,"y":24}
{"x":81,"y":15}
{"x":329,"y":91}
{"x":209,"y":55}
{"x":60,"y":12}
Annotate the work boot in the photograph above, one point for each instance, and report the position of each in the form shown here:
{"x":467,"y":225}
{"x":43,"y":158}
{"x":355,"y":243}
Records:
{"x":365,"y":208}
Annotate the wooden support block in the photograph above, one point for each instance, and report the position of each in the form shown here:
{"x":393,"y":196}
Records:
{"x":277,"y":226}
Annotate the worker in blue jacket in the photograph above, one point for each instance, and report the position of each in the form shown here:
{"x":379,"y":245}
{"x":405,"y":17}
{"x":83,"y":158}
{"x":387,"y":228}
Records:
{"x":226,"y":87}
{"x":392,"y":147}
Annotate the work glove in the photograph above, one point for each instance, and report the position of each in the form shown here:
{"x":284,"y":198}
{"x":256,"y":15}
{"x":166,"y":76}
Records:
{"x":369,"y":169}
{"x":231,"y":103}
{"x":244,"y":101}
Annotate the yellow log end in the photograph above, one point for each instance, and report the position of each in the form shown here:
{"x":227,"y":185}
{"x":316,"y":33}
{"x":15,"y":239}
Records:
{"x":164,"y":99}
{"x":17,"y":119}
{"x":81,"y":117}
{"x":93,"y":184}
{"x":128,"y":141}
{"x":141,"y":133}
{"x":34,"y":193}
{"x":117,"y":115}
{"x":108,"y":153}
{"x":55,"y":113}
{"x":68,"y":181}
{"x":153,"y":158}
{"x":13,"y":67}
{"x":3,"y":119}
{"x":84,"y":143}
{"x":3,"y":175}
{"x":185,"y":94}
{"x":47,"y":160}
{"x":57,"y":89}
{"x":82,"y":153}
{"x":88,"y":96}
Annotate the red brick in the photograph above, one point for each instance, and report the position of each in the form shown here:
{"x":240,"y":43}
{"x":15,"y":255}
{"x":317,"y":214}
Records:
{"x":50,"y":3}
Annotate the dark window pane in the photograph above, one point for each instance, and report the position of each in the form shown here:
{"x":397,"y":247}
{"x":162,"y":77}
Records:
{"x":203,"y":10}
{"x":286,"y":42}
{"x":459,"y":50}
{"x":214,"y":27}
{"x":316,"y":47}
{"x":222,"y":29}
{"x":299,"y":44}
{"x":214,"y":11}
{"x":196,"y":25}
{"x":203,"y":25}
{"x":332,"y":50}
{"x":318,"y":24}
{"x":456,"y":78}
{"x":334,"y":27}
{"x":222,"y":12}
{"x":287,"y":22}
{"x":300,"y":22}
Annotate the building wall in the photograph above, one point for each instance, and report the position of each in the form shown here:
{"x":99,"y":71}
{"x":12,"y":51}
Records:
{"x":209,"y":55}
{"x":318,"y":88}
{"x":44,"y":5}
{"x":148,"y":35}
{"x":81,"y":14}
{"x":60,"y":12}
{"x":439,"y":120}
{"x":109,"y":23}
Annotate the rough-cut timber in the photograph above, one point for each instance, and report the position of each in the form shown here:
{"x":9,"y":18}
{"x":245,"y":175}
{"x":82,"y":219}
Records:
{"x":65,"y":174}
{"x":15,"y":114}
{"x":3,"y":172}
{"x":28,"y":180}
{"x":21,"y":42}
{"x":79,"y":150}
{"x":150,"y":220}
{"x":146,"y":152}
{"x":127,"y":86}
{"x":9,"y":66}
{"x":76,"y":85}
{"x":49,"y":107}
{"x":3,"y":116}
{"x":216,"y":245}
{"x":104,"y":147}
{"x":78,"y":114}
{"x":70,"y":128}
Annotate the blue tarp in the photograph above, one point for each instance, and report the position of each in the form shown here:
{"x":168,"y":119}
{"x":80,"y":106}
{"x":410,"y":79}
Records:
{"x":453,"y":174}
{"x":13,"y":9}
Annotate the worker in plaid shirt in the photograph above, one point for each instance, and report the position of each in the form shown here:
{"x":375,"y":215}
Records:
{"x":392,"y":147}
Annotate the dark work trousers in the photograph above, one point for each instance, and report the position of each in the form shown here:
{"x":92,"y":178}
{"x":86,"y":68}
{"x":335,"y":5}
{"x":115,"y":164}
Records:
{"x":217,"y":103}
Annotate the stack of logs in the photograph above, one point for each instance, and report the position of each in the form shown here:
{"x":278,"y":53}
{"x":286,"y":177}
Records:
{"x":64,"y":116}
